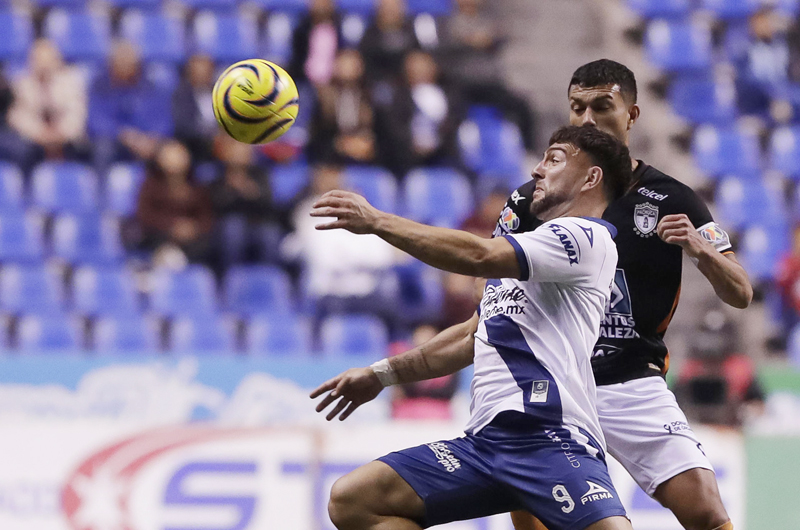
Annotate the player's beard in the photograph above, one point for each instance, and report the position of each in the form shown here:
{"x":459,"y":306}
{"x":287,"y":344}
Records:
{"x":548,"y":202}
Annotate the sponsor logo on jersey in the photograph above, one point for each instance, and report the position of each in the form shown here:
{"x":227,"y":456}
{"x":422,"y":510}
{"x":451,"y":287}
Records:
{"x":565,"y":446}
{"x":516,"y":197}
{"x":645,"y":219}
{"x":445,"y":456}
{"x":539,"y":391}
{"x":715,"y":235}
{"x":677,"y":427}
{"x":596,"y":493}
{"x":650,"y":194}
{"x":501,"y":300}
{"x":568,"y":241}
{"x":509,"y":220}
{"x":618,"y":322}
{"x":601,"y":351}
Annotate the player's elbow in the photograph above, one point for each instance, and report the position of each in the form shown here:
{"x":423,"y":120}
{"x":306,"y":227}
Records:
{"x":743,"y":297}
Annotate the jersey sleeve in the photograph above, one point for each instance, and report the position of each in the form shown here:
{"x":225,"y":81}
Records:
{"x":516,"y":216}
{"x":562,"y":251}
{"x":704,"y":222}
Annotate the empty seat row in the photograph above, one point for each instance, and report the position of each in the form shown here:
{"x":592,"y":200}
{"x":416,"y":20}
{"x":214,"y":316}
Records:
{"x":723,"y":9}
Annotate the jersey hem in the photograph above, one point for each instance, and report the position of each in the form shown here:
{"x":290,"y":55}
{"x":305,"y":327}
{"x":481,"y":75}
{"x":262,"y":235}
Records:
{"x":522,"y":259}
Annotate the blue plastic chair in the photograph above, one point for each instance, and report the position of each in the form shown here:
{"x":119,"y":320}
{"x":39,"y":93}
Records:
{"x":21,"y":238}
{"x":360,"y":7}
{"x":492,"y":147}
{"x":12,"y":191}
{"x":222,"y":6}
{"x":31,"y":289}
{"x":376,"y":184}
{"x":104,"y":291}
{"x":720,"y":151}
{"x":660,"y":8}
{"x":289,"y":180}
{"x":125,"y":335}
{"x":742,"y":202}
{"x":136,"y":4}
{"x":257,"y":289}
{"x":784,"y":151}
{"x":283,"y":334}
{"x":277,"y":39}
{"x":226,"y":38}
{"x":59,"y":187}
{"x":122,"y":188}
{"x":437,"y":8}
{"x":48,"y":334}
{"x":87,"y":239}
{"x":189,"y":292}
{"x":788,"y":7}
{"x":17,"y":32}
{"x":439,"y":196}
{"x":80,"y":36}
{"x":294,"y":7}
{"x":761,"y":247}
{"x":356,"y":335}
{"x":204,"y":335}
{"x":158,"y":37}
{"x":678,"y":46}
{"x":704,"y":100}
{"x":731,"y":9}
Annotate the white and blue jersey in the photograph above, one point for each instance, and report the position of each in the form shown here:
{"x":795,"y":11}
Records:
{"x":535,"y":337}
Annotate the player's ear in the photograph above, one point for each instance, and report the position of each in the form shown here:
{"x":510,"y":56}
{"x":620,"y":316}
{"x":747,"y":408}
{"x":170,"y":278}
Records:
{"x":633,"y":115}
{"x":594,"y":178}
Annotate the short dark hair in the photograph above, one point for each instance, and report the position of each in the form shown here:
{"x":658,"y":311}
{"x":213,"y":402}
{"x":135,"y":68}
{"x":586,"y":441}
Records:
{"x":606,"y":72}
{"x":605,"y":151}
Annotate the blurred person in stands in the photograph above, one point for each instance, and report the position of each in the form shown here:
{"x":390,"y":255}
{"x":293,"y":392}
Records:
{"x":387,"y":40}
{"x":471,"y":44}
{"x":483,"y":220}
{"x":129,"y":117}
{"x":423,"y":400}
{"x":192,"y":113}
{"x":174,"y":213}
{"x":342,"y":126}
{"x":49,"y":108}
{"x":315,"y":41}
{"x":788,"y":282}
{"x":247,"y":226}
{"x":13,"y":147}
{"x":418,"y":124}
{"x":345,"y":273}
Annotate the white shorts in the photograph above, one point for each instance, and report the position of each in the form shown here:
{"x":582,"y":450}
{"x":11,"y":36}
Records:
{"x":647,"y":432}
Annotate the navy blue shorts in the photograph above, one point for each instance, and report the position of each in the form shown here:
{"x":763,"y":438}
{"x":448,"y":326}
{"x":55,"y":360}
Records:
{"x":504,"y":468}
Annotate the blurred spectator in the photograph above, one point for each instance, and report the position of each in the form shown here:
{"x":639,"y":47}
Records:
{"x":429,"y":400}
{"x":247,"y":222}
{"x":342,"y":127}
{"x":192,"y":112}
{"x":387,"y":40}
{"x":173,"y":212}
{"x":343,"y":272}
{"x":470,"y":48}
{"x":12,"y":146}
{"x":418,"y":125}
{"x":49,"y":107}
{"x":483,"y":220}
{"x":128,"y":115}
{"x":315,"y":42}
{"x":788,"y":282}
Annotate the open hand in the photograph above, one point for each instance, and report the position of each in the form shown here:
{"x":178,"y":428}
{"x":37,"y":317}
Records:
{"x":352,"y":388}
{"x":352,"y":211}
{"x":677,"y":229}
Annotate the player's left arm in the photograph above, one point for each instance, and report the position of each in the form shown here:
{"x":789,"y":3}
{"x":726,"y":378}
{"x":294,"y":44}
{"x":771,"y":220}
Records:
{"x":727,"y":276}
{"x":449,"y":250}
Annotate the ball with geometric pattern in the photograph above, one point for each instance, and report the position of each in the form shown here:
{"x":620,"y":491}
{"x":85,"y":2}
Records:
{"x":255,"y":101}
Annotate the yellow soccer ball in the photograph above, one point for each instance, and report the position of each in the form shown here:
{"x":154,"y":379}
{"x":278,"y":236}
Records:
{"x":255,"y":101}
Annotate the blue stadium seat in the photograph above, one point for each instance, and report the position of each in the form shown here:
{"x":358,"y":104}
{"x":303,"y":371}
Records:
{"x":277,"y":40}
{"x":731,"y":9}
{"x":21,"y":238}
{"x":80,"y":36}
{"x":188,"y":292}
{"x":11,"y":189}
{"x":720,"y":151}
{"x":65,"y":4}
{"x":660,"y":8}
{"x":226,"y":38}
{"x":64,"y":187}
{"x":295,"y":7}
{"x":123,"y":335}
{"x":421,"y":292}
{"x":278,"y":334}
{"x":287,"y":181}
{"x":49,"y":334}
{"x":31,"y":289}
{"x":216,"y":5}
{"x":492,"y":147}
{"x":788,"y":7}
{"x":158,"y":37}
{"x":678,"y":46}
{"x":784,"y":151}
{"x":104,"y":291}
{"x":375,"y":183}
{"x":437,"y":8}
{"x":362,"y":335}
{"x":257,"y":289}
{"x":761,"y":248}
{"x":439,"y":196}
{"x":361,"y":7}
{"x":704,"y":100}
{"x":136,"y":4}
{"x":202,"y":335}
{"x":87,"y":239}
{"x":122,"y":188}
{"x":17,"y":32}
{"x":742,"y":202}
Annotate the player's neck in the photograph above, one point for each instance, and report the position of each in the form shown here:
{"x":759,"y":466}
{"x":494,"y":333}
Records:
{"x":581,"y":206}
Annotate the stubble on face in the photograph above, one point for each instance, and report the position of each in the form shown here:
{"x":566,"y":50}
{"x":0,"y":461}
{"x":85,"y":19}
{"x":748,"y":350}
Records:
{"x":556,"y":188}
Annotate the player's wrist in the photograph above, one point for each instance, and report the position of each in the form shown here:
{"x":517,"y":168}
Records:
{"x":385,"y":373}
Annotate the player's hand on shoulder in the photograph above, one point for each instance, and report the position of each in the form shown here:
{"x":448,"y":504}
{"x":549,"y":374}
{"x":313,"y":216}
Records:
{"x":352,"y":389}
{"x":352,"y":212}
{"x":677,"y":229}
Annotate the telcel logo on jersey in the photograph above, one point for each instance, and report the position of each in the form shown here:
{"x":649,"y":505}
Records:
{"x":596,"y":493}
{"x":568,"y":241}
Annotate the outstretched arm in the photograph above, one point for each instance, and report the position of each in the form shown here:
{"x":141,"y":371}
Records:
{"x":449,"y":250}
{"x":446,"y":353}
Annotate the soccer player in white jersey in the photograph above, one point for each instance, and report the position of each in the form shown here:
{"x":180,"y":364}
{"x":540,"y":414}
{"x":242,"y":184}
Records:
{"x":533,"y":441}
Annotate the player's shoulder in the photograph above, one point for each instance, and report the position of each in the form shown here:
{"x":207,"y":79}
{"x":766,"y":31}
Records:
{"x":654,"y":184}
{"x":586,"y":234}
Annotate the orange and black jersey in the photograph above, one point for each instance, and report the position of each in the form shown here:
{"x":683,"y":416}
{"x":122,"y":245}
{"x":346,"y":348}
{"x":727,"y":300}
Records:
{"x":648,"y":278}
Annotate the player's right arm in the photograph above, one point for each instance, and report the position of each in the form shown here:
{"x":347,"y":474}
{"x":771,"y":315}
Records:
{"x":445,"y":354}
